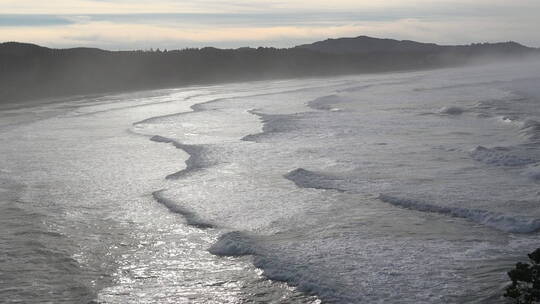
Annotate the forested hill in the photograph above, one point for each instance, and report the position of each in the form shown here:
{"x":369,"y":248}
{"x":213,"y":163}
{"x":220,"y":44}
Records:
{"x":366,"y":45}
{"x":29,"y":71}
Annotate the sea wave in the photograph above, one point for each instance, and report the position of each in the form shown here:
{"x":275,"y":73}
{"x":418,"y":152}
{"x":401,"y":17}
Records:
{"x":451,"y":110}
{"x":500,"y":156}
{"x":325,"y":103}
{"x":283,"y":268}
{"x":194,"y":108}
{"x":271,"y":124}
{"x":233,"y":244}
{"x":308,"y":179}
{"x":197,"y":158}
{"x":376,"y":84}
{"x":531,"y":130}
{"x":499,"y":221}
{"x":192,"y":219}
{"x":533,"y":173}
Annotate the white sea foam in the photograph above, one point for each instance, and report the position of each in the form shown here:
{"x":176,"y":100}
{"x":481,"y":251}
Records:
{"x":315,"y":240}
{"x":344,"y":246}
{"x":323,"y":241}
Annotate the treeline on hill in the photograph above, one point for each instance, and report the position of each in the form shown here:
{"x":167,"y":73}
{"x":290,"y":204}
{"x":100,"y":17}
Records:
{"x":29,"y":71}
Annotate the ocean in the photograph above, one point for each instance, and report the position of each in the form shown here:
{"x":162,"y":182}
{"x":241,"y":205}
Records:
{"x":417,"y":187}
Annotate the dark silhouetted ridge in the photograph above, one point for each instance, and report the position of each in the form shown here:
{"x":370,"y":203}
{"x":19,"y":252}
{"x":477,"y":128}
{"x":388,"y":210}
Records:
{"x":28,"y":71}
{"x":365,"y":44}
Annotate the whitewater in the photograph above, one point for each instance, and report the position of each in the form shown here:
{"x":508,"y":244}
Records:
{"x":417,"y":187}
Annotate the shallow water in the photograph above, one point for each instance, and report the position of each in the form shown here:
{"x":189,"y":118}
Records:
{"x":395,"y":188}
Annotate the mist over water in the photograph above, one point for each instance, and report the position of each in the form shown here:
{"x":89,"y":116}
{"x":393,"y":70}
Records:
{"x":416,"y":187}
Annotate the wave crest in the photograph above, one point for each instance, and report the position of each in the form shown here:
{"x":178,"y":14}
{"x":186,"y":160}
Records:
{"x":499,"y":221}
{"x":191,"y":218}
{"x":499,"y":156}
{"x":196,"y":161}
{"x":308,"y":179}
{"x":233,"y":244}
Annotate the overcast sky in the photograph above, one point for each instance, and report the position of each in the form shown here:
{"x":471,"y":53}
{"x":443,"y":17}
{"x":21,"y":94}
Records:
{"x":173,"y":24}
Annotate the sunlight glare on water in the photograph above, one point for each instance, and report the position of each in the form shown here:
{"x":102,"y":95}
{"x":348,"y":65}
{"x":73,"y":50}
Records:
{"x":410,"y":187}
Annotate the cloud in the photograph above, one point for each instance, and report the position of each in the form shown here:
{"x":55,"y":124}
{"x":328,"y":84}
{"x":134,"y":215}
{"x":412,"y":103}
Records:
{"x":125,"y":24}
{"x":113,"y":34}
{"x":132,"y":6}
{"x":243,"y":6}
{"x":32,"y":20}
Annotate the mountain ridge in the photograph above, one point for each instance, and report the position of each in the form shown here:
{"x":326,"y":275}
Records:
{"x":366,"y":44}
{"x":320,"y":45}
{"x":29,"y":71}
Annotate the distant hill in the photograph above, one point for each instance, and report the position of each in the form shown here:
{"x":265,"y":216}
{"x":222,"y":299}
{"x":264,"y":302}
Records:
{"x":28,"y":71}
{"x":366,"y":45}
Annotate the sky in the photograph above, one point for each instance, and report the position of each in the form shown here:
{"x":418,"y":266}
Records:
{"x":177,"y":24}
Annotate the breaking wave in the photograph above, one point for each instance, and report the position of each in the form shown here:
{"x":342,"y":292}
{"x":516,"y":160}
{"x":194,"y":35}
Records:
{"x":325,"y":103}
{"x":499,"y":221}
{"x":280,"y":267}
{"x":451,"y":110}
{"x":194,"y":108}
{"x":308,"y":179}
{"x":233,"y":244}
{"x":196,"y":160}
{"x":533,"y":173}
{"x":500,"y":156}
{"x":271,"y":124}
{"x":191,"y":218}
{"x":531,"y":129}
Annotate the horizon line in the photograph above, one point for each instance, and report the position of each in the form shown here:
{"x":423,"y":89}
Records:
{"x":267,"y":47}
